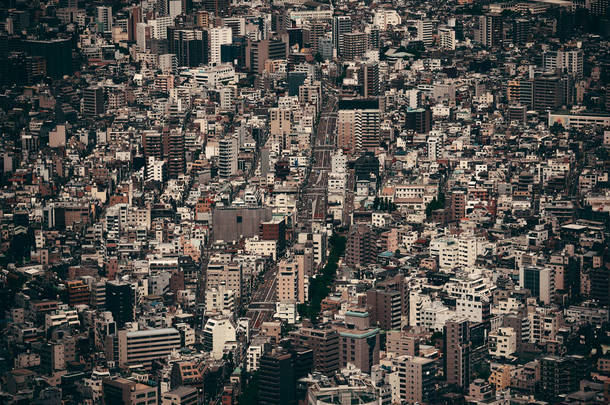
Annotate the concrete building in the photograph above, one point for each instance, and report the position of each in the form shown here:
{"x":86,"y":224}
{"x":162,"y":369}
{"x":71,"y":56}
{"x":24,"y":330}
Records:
{"x":142,"y":347}
{"x":218,"y":333}
{"x":416,"y":379}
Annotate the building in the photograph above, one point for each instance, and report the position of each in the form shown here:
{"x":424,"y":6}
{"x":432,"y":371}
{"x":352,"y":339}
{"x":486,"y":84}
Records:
{"x":358,"y":124}
{"x":120,"y":391}
{"x":489,"y":32}
{"x":78,"y":292}
{"x":120,"y":301}
{"x":578,"y":120}
{"x":219,"y":36}
{"x":425,"y":30}
{"x":359,"y":346}
{"x":353,"y":45}
{"x":324,"y":343}
{"x":416,"y":379}
{"x":341,"y":25}
{"x":182,"y":395}
{"x":503,"y":342}
{"x":142,"y":347}
{"x":217,"y":333}
{"x":228,"y":148}
{"x":277,"y":379}
{"x":368,"y":78}
{"x":259,"y":52}
{"x":419,"y":120}
{"x":176,"y":162}
{"x":385,"y":307}
{"x":446,"y":38}
{"x":104,"y":18}
{"x":456,"y":335}
{"x":361,"y":249}
{"x":540,"y":282}
{"x":93,"y":101}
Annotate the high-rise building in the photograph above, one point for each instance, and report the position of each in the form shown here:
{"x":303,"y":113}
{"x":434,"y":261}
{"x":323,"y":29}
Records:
{"x":558,"y":375}
{"x":104,"y":18}
{"x":446,"y":38}
{"x":416,"y":379}
{"x":219,"y":36}
{"x":361,"y":248}
{"x":489,"y":32}
{"x":419,"y":120}
{"x":368,"y":78}
{"x":228,"y":149}
{"x":547,"y":93}
{"x":220,"y":8}
{"x":353,"y":45}
{"x":521,"y":31}
{"x":385,"y":308}
{"x":121,"y":391}
{"x":359,"y":346}
{"x":457,"y":207}
{"x":341,"y":25}
{"x":191,"y":47}
{"x":456,"y":335}
{"x":425,"y":29}
{"x":540,"y":282}
{"x":277,"y":379}
{"x":120,"y":301}
{"x":176,"y":164}
{"x":78,"y":292}
{"x":93,"y":101}
{"x":258,"y":52}
{"x":280,"y":122}
{"x":135,"y":17}
{"x":324,"y":343}
{"x":358,"y":124}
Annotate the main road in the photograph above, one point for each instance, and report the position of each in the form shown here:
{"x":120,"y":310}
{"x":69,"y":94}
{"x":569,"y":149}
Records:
{"x":312,"y":205}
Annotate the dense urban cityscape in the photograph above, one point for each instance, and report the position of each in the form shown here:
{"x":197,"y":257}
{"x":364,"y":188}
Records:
{"x":291,"y":202}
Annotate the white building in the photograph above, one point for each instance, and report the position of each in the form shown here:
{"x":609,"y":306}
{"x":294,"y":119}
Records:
{"x":446,"y":37}
{"x":219,"y":36}
{"x":386,"y":17}
{"x":218,"y":333}
{"x":503,"y":342}
{"x":228,"y":148}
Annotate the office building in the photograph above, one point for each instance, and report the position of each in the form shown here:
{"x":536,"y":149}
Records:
{"x":220,"y":8}
{"x":141,"y":348}
{"x":368,"y":78}
{"x":78,"y":292}
{"x":539,"y":281}
{"x":277,"y":379}
{"x":419,"y":120}
{"x":93,"y":101}
{"x":176,"y":164}
{"x":457,"y":207}
{"x":359,"y":346}
{"x":120,"y":301}
{"x":259,"y":52}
